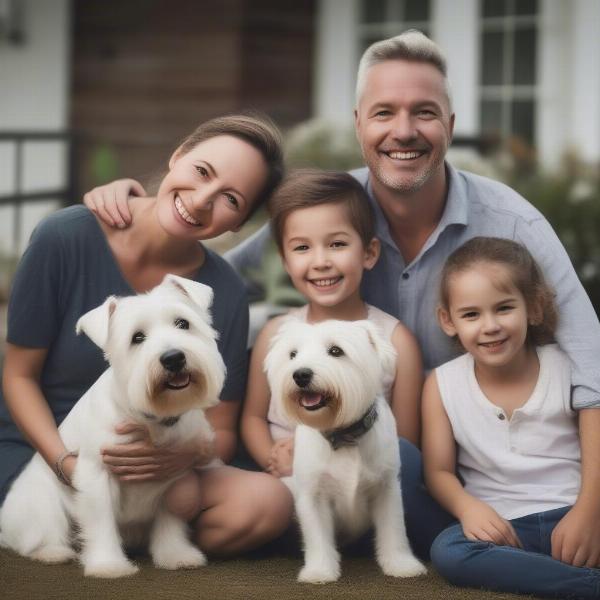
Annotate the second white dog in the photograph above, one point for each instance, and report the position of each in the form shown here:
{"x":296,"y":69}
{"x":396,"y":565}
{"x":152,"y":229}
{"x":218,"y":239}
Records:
{"x":165,"y":370}
{"x":346,"y":458}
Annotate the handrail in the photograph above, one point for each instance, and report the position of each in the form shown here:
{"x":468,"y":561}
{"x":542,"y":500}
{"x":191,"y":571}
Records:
{"x":18,"y":196}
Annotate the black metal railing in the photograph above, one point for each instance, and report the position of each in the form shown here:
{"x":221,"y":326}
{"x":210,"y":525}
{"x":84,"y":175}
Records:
{"x":18,"y":196}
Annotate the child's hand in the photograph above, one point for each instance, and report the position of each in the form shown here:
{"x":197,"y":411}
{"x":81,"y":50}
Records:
{"x":481,"y":522}
{"x":282,"y":458}
{"x":576,"y":538}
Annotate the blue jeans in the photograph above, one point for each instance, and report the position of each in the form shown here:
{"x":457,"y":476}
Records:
{"x":423,"y":516}
{"x":507,"y":569}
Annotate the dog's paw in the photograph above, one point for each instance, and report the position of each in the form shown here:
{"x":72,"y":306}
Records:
{"x":188,"y":557}
{"x":402,"y":566}
{"x":109,"y":569}
{"x":54,"y":554}
{"x":319,"y":574}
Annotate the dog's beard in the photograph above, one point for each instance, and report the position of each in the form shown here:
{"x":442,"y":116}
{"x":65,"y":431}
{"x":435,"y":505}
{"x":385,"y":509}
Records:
{"x":167,"y":396}
{"x":316,"y":408}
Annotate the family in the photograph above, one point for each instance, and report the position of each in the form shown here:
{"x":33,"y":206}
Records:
{"x":463,"y":276}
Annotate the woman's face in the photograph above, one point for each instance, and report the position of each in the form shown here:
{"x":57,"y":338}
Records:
{"x":210,"y":189}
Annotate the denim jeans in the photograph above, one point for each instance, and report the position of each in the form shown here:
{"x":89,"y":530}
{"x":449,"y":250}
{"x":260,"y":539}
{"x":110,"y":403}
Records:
{"x":423,"y":516}
{"x":531,"y":570}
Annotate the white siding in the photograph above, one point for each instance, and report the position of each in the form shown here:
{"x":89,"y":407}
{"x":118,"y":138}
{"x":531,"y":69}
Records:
{"x":584,"y":87}
{"x":34,"y":77}
{"x":335,"y":61}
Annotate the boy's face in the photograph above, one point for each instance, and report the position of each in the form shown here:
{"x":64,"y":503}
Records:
{"x":324,"y":255}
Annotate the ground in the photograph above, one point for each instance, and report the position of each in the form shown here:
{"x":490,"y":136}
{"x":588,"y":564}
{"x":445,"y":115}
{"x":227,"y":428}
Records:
{"x":262,"y":578}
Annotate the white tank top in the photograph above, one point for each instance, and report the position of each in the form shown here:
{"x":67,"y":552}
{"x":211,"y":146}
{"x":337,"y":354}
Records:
{"x":279,"y":425}
{"x":526,"y":464}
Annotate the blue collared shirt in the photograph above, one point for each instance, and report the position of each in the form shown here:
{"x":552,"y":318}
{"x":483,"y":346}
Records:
{"x":474,"y":206}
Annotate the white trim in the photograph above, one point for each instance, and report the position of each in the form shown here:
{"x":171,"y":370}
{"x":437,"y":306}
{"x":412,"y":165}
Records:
{"x":454,"y":27}
{"x":553,"y":93}
{"x":584,"y":85}
{"x":335,"y":61}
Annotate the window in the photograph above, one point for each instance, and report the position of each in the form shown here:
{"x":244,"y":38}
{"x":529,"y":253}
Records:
{"x":380,"y":19}
{"x":508,"y":66}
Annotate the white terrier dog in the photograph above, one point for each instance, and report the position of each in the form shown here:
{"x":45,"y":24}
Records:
{"x":165,"y":370}
{"x":346,"y":457}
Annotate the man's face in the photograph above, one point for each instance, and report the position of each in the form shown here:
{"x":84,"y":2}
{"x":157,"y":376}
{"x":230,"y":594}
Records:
{"x":404,"y":124}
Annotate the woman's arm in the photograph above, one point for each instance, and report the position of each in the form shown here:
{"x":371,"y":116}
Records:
{"x":479,"y":520}
{"x":254,"y":426}
{"x":408,"y":384}
{"x":28,"y":406}
{"x":110,"y":202}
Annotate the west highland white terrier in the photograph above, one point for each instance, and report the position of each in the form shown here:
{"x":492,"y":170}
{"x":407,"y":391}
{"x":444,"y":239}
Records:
{"x":346,"y":458}
{"x":165,"y":370}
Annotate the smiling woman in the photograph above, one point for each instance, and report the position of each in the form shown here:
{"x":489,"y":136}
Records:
{"x":211,"y":188}
{"x":217,"y":177}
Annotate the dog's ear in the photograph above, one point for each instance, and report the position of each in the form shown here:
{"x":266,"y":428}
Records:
{"x":95,"y":322}
{"x":198,"y":293}
{"x":383,"y":348}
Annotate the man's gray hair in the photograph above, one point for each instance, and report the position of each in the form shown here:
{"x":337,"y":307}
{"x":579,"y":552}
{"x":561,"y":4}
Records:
{"x":410,"y":45}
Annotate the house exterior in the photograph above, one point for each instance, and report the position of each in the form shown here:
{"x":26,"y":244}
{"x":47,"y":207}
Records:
{"x":526,"y":68}
{"x":130,"y":78}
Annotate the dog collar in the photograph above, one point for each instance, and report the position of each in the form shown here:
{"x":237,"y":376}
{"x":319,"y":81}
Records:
{"x":166,"y":422}
{"x":349,"y":435}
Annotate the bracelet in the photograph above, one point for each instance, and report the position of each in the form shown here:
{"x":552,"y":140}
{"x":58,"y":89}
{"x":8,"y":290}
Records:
{"x":58,"y":467}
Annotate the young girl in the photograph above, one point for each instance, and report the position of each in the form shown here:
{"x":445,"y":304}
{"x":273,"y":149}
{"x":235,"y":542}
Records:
{"x":500,"y":440}
{"x":216,"y":178}
{"x":323,"y":227}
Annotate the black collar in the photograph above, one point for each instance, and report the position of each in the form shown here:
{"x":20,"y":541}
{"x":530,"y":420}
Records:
{"x":349,"y":435}
{"x":166,"y":422}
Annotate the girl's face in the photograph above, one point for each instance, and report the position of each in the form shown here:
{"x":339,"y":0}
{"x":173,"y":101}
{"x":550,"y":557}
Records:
{"x":324,"y":255}
{"x":210,"y":189}
{"x":488,"y":315}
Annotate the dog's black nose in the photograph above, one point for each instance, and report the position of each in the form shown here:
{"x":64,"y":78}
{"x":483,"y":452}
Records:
{"x":173,"y":360}
{"x":302,"y":377}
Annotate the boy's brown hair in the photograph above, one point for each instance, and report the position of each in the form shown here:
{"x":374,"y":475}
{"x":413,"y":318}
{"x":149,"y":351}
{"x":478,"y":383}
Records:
{"x":306,"y":188}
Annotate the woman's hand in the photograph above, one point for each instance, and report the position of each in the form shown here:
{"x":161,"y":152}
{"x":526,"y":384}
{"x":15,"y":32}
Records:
{"x":481,"y":522}
{"x":282,"y":458}
{"x":140,"y":460}
{"x":110,"y":202}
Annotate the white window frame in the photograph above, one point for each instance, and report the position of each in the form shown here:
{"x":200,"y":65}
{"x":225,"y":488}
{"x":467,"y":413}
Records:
{"x":509,"y":92}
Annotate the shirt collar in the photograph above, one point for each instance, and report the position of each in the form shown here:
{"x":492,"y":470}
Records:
{"x":456,"y":211}
{"x":382,"y":228}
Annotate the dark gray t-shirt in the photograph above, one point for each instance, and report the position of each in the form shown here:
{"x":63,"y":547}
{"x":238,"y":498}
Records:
{"x":68,"y":269}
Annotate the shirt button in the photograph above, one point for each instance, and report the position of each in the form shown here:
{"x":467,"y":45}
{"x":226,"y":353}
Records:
{"x":501,"y":416}
{"x":405,"y":275}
